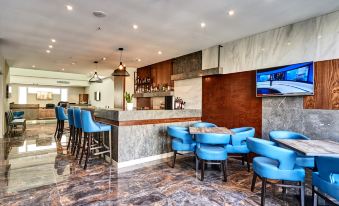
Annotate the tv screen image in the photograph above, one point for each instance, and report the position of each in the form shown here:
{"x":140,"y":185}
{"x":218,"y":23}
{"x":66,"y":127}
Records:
{"x":295,"y":79}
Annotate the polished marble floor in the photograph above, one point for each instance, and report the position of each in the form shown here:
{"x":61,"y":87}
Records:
{"x":35,"y":170}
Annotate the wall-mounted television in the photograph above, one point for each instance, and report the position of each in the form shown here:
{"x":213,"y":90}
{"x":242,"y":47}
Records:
{"x":290,"y":80}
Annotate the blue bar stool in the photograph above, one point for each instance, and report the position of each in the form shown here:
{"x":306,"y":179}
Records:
{"x":238,"y":143}
{"x":62,"y":118}
{"x":326,"y":180}
{"x":275,"y":163}
{"x":302,"y":160}
{"x":181,"y":140}
{"x":212,"y":147}
{"x":78,"y":131}
{"x":90,"y":128}
{"x":70,"y":115}
{"x":204,"y":124}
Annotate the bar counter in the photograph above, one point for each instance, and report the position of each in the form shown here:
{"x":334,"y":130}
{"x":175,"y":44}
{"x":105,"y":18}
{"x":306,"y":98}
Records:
{"x":140,"y":136}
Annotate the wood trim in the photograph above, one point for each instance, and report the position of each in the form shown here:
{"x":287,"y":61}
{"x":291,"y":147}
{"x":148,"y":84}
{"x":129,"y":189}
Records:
{"x":147,"y":121}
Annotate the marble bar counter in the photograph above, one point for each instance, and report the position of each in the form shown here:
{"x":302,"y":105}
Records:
{"x":141,"y":135}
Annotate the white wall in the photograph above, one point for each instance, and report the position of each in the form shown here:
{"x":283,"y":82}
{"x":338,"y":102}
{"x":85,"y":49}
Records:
{"x":315,"y":39}
{"x":107,"y":93}
{"x":129,"y":83}
{"x":190,"y":90}
{"x":4,"y":80}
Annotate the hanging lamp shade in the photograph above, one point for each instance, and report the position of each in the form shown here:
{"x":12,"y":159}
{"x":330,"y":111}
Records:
{"x":121,"y":70}
{"x":95,"y":78}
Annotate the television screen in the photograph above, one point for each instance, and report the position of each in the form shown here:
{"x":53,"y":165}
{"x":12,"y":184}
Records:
{"x":296,"y":79}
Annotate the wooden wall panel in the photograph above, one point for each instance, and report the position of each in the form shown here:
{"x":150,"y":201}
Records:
{"x":230,"y":100}
{"x":161,"y":73}
{"x":326,"y":91}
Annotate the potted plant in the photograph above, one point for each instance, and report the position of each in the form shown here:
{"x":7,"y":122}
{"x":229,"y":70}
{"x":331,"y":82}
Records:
{"x":129,"y":99}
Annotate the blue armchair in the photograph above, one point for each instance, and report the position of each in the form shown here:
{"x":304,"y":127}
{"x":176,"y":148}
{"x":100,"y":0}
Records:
{"x":204,"y":124}
{"x":277,"y":164}
{"x":326,"y":180}
{"x":238,"y":143}
{"x":302,"y":160}
{"x":212,"y":147}
{"x":181,"y":140}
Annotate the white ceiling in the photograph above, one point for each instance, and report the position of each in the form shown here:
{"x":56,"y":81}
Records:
{"x":172,"y":26}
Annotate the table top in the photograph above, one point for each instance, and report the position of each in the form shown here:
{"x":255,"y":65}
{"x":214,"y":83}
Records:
{"x":215,"y":130}
{"x":312,"y":147}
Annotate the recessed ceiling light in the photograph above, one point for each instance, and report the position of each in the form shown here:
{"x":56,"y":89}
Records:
{"x":63,"y":69}
{"x":53,"y":40}
{"x":104,"y":58}
{"x":33,"y":66}
{"x":231,"y":12}
{"x":50,"y":46}
{"x":159,"y":52}
{"x":319,"y":37}
{"x":288,"y":43}
{"x":139,"y":60}
{"x":48,"y":51}
{"x":135,"y":26}
{"x":99,"y":14}
{"x":203,"y":24}
{"x":69,"y":7}
{"x":73,"y":63}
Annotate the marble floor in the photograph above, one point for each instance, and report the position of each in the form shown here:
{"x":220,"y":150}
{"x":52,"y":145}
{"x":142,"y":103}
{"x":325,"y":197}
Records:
{"x":35,"y":170}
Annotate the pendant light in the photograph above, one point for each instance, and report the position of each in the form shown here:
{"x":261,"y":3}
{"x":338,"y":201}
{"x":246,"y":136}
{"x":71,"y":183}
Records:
{"x":121,"y":70}
{"x":95,"y":78}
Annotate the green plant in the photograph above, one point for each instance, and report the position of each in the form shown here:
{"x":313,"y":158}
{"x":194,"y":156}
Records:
{"x":128,"y":97}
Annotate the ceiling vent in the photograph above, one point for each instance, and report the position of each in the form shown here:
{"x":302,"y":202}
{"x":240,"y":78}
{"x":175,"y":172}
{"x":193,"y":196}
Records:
{"x":99,"y":14}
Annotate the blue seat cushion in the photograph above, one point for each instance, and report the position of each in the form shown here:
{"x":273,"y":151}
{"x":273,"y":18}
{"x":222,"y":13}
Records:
{"x":211,"y":152}
{"x":269,"y":168}
{"x":304,"y":161}
{"x":104,"y":127}
{"x":178,"y":145}
{"x":324,"y":186}
{"x":237,"y":149}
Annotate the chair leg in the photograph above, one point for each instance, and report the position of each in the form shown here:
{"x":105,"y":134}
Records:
{"x":89,"y":140}
{"x":202,"y":170}
{"x":224,"y":169}
{"x":83,"y":147}
{"x":263,"y":191}
{"x":196,"y":164}
{"x":302,"y":193}
{"x":254,"y":179}
{"x":314,"y":196}
{"x":56,"y":129}
{"x":248,"y":162}
{"x":243,"y":159}
{"x":174,"y":157}
{"x":70,"y":137}
{"x":75,"y":141}
{"x":283,"y":190}
{"x":79,"y":145}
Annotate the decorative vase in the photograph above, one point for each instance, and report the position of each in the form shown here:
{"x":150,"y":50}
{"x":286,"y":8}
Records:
{"x":129,"y":106}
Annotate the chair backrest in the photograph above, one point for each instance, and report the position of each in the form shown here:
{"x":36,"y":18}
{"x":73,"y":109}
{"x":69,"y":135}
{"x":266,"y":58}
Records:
{"x":88,"y":124}
{"x":285,"y":157}
{"x":239,"y":138}
{"x":180,"y":133}
{"x":328,"y":167}
{"x":61,"y":113}
{"x":204,"y":124}
{"x":211,"y":138}
{"x":70,"y":116}
{"x":8,"y":118}
{"x":286,"y":135}
{"x":77,"y":118}
{"x":56,"y":112}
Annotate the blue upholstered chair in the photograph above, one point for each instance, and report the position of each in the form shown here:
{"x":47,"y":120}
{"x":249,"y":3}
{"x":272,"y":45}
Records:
{"x":70,"y":116}
{"x":90,"y":128}
{"x":181,"y":140}
{"x":326,"y":180}
{"x":77,"y":131}
{"x":61,"y":119}
{"x":18,"y":114}
{"x":204,"y":124}
{"x":238,"y":143}
{"x":302,"y":160}
{"x":212,"y":147}
{"x":275,"y":163}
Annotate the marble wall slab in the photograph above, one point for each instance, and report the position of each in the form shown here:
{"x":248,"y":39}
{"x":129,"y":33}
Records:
{"x":287,"y":113}
{"x":314,"y":39}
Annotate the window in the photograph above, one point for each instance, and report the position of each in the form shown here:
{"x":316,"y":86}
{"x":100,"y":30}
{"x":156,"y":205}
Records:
{"x":64,"y":95}
{"x":22,"y":95}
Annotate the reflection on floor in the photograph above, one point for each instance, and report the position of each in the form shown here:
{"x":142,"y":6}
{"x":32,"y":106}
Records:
{"x":35,"y":170}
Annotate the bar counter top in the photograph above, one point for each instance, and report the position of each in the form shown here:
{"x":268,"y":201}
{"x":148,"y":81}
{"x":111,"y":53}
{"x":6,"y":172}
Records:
{"x":147,"y":115}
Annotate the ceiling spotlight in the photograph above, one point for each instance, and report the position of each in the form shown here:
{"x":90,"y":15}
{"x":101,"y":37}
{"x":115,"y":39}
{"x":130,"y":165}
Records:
{"x":104,"y":58}
{"x":99,"y":14}
{"x":63,"y":69}
{"x":139,"y":60}
{"x":288,"y":43}
{"x":135,"y":26}
{"x":160,"y":52}
{"x":33,"y":66}
{"x":202,"y":24}
{"x":53,"y":40}
{"x":231,"y":12}
{"x":69,"y":7}
{"x":73,"y":63}
{"x":48,"y":51}
{"x":50,"y":46}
